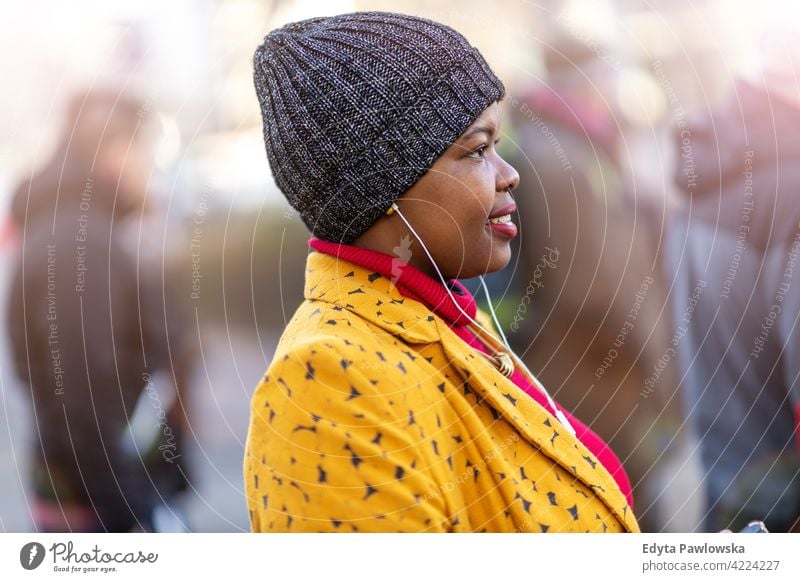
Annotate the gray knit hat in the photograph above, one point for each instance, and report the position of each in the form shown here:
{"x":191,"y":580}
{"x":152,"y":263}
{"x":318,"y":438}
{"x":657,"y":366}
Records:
{"x":357,"y":107}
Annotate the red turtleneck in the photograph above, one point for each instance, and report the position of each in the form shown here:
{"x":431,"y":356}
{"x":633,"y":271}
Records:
{"x":413,"y":283}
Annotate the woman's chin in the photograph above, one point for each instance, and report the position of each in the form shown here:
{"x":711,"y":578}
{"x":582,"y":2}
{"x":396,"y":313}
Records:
{"x":498,"y":260}
{"x":500,"y":257}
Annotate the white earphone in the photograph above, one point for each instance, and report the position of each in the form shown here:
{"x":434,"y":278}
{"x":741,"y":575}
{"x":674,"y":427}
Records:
{"x":558,"y":412}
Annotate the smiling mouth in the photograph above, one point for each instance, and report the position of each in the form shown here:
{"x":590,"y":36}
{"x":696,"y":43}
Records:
{"x":505,"y":219}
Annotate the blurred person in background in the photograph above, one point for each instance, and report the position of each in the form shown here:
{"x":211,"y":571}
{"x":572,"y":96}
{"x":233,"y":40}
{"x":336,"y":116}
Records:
{"x":95,"y":337}
{"x":588,"y":315}
{"x":733,"y":250}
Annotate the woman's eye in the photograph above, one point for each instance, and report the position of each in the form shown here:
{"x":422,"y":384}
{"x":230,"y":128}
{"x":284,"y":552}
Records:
{"x":478,"y":152}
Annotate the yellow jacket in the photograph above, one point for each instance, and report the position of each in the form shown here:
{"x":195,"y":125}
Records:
{"x":375,"y":417}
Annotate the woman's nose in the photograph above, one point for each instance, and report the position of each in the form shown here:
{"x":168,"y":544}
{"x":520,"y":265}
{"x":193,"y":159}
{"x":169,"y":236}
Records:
{"x":507,"y":176}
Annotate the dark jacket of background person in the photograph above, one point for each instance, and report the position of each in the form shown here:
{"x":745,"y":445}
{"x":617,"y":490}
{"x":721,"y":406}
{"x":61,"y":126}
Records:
{"x":89,"y":331}
{"x":732,"y":250}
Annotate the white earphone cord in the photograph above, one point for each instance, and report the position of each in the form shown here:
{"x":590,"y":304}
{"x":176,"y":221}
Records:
{"x":558,"y":412}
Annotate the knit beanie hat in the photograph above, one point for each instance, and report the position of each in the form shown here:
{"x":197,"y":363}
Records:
{"x":357,"y":107}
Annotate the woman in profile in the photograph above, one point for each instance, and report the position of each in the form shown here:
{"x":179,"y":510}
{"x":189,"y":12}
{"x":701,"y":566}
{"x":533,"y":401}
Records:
{"x":390,"y":403}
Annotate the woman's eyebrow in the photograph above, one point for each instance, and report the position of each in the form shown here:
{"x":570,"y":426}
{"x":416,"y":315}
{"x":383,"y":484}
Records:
{"x":488,"y":130}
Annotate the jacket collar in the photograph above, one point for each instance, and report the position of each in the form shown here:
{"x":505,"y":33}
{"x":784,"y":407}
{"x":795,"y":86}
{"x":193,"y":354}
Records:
{"x":410,"y":281}
{"x":533,"y":422}
{"x":375,"y":298}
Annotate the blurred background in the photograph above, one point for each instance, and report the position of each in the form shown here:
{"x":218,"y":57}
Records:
{"x":161,"y":96}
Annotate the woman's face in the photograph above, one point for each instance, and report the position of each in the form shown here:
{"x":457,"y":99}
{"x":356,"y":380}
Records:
{"x":461,"y":208}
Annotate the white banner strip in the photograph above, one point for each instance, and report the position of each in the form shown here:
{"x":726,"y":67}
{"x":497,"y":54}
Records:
{"x":403,"y":557}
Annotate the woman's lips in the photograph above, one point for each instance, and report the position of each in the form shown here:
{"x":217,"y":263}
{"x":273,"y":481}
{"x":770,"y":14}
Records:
{"x":503,"y":226}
